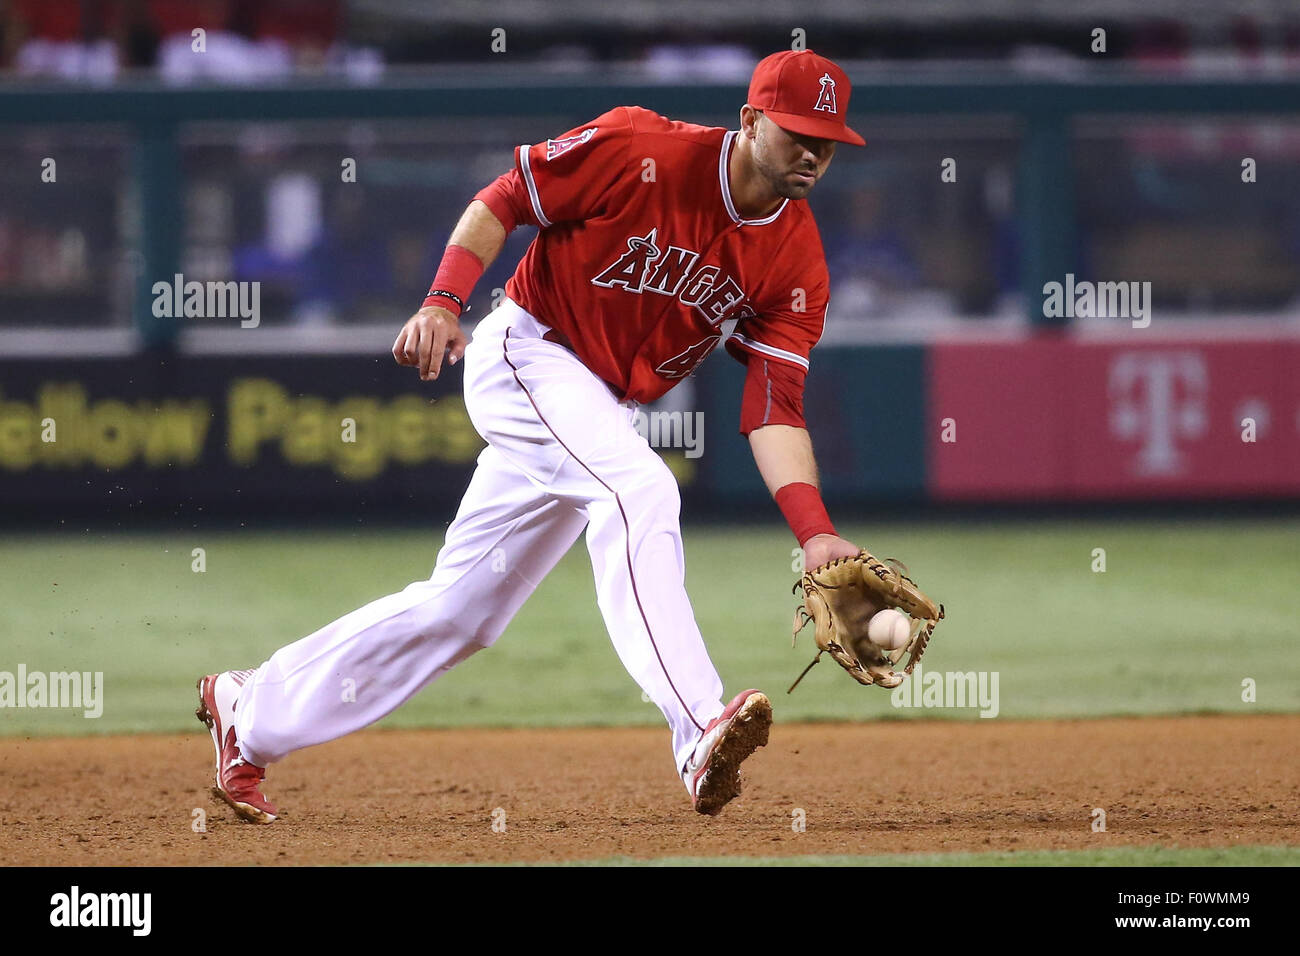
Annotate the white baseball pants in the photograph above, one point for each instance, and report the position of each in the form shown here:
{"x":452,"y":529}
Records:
{"x":562,"y":455}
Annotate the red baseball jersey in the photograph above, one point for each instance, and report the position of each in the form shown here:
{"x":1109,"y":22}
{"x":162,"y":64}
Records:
{"x":642,"y":257}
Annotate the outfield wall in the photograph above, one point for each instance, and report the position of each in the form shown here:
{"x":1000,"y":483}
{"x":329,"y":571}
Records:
{"x":1044,"y":418}
{"x":258,"y":434}
{"x":1139,"y":419}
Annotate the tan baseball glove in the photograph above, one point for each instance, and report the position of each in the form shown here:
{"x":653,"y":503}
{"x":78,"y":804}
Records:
{"x":841,"y":596}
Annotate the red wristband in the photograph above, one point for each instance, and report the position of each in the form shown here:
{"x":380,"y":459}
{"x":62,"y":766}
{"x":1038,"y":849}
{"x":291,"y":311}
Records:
{"x":457,"y":273}
{"x":804,"y":512}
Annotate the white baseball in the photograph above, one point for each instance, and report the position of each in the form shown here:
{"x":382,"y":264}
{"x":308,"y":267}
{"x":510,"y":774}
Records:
{"x":889,"y":629}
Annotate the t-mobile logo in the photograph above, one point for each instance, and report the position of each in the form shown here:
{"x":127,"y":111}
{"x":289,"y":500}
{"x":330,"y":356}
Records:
{"x":1157,"y":398}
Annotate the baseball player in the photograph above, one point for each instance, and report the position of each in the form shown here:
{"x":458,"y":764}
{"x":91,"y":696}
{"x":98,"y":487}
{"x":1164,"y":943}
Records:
{"x":652,"y":234}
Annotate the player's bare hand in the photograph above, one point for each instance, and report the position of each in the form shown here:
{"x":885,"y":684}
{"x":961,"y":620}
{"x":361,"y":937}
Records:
{"x":427,"y":337}
{"x":821,"y":548}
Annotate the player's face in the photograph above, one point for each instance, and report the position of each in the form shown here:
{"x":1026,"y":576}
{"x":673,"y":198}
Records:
{"x":790,"y":162}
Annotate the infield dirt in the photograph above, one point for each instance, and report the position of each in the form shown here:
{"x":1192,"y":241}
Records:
{"x":555,"y":795}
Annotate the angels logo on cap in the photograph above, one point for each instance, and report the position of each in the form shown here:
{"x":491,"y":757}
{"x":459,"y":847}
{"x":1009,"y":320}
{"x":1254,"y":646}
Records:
{"x":804,"y":93}
{"x":826,"y":99}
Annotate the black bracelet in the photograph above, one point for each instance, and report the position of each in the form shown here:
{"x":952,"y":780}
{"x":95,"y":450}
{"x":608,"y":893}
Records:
{"x":451,"y":295}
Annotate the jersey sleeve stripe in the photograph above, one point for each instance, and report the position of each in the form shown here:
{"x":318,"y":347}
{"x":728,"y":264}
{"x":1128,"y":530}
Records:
{"x":769,"y":350}
{"x":532,"y":186}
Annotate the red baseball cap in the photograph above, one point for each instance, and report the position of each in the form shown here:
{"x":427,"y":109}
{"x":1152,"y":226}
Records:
{"x":804,"y":93}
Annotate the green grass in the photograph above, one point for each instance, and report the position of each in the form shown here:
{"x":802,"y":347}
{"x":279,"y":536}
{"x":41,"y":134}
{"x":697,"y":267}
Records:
{"x":1184,"y":612}
{"x":1115,"y":856}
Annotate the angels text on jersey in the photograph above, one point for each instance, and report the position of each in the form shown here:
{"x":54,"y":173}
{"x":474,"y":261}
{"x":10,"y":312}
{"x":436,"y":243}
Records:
{"x":672,"y":272}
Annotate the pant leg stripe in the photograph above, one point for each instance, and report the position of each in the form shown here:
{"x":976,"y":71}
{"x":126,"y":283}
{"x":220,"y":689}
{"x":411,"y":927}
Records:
{"x":627,"y":529}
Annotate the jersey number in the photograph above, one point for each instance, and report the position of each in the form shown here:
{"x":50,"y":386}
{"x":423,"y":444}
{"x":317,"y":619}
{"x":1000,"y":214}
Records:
{"x":683,"y":363}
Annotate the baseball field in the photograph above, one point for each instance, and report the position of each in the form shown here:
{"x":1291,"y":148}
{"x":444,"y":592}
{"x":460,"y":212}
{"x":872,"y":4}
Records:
{"x":1103,"y":692}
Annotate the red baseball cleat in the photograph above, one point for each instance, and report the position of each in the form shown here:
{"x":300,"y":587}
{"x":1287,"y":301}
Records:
{"x":238,"y":781}
{"x":712,"y":775}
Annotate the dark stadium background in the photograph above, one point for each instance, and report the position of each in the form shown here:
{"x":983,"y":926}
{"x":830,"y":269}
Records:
{"x":226,"y":164}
